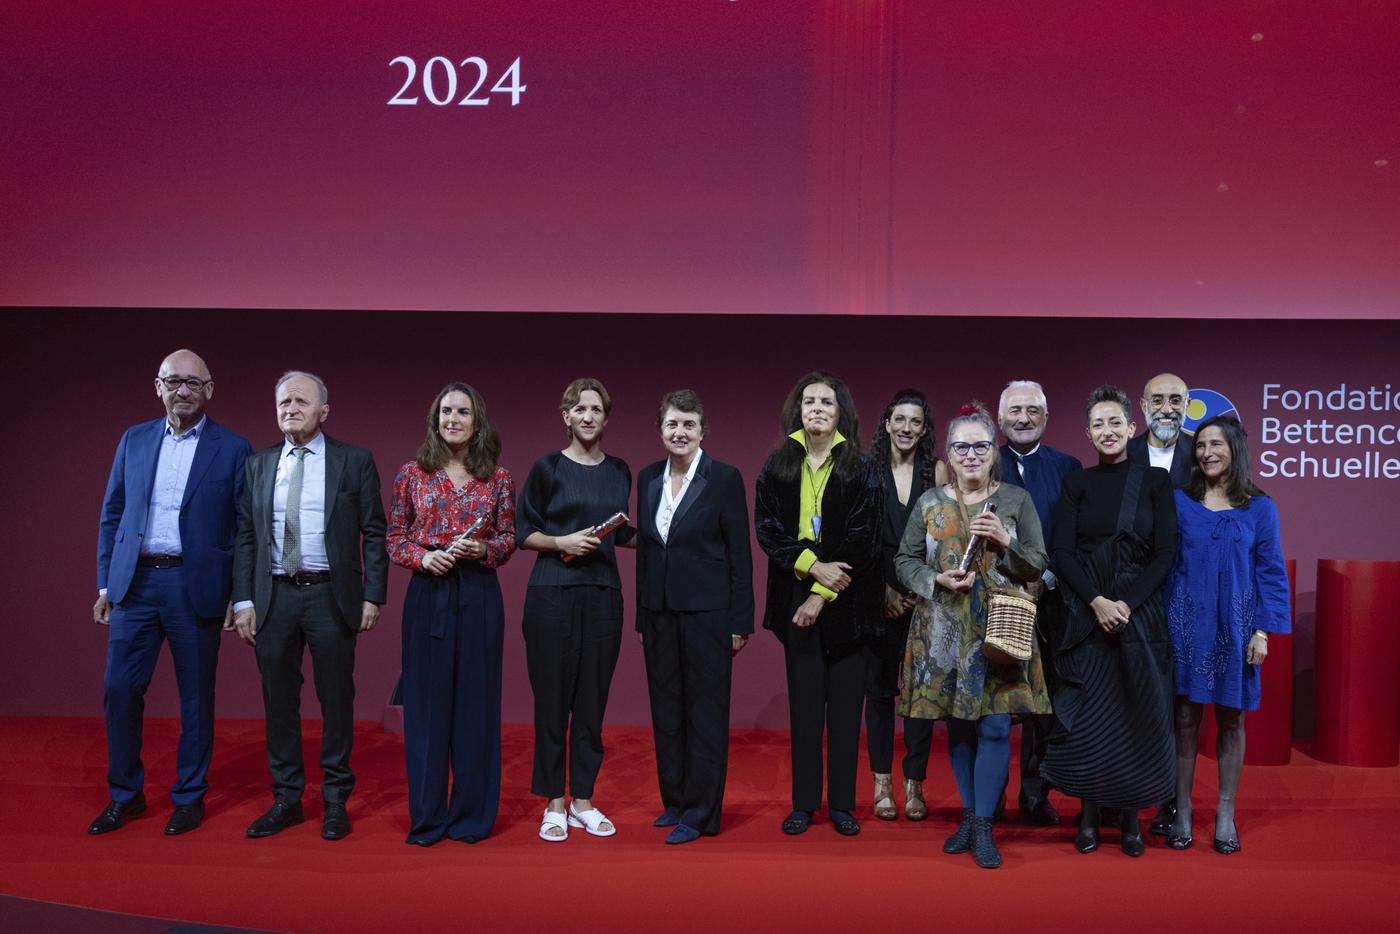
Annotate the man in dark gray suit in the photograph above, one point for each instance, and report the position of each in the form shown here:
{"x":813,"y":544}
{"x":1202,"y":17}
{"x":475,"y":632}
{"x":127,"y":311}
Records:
{"x":310,"y":569}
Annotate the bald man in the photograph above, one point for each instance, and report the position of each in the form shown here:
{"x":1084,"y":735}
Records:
{"x":1164,"y":444}
{"x":164,"y":573}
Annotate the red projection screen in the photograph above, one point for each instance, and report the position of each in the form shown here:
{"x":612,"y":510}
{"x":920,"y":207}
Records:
{"x":1194,"y":159}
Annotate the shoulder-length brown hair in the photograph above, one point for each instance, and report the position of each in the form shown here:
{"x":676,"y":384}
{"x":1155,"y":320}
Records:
{"x":788,"y":456}
{"x":1239,"y":478}
{"x":484,"y":447}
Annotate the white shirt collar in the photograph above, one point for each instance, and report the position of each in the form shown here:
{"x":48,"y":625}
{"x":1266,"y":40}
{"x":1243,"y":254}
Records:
{"x":1019,"y":455}
{"x":316,"y":445}
{"x":694,"y":463}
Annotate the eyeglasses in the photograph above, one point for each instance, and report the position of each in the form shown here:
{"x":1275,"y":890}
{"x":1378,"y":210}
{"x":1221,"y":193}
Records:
{"x":173,"y":383}
{"x":963,"y":448}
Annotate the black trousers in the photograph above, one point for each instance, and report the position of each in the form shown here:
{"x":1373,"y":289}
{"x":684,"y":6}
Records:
{"x":301,"y":617}
{"x":689,"y":659}
{"x":1036,"y":729}
{"x":884,"y":660}
{"x":572,"y":637}
{"x":826,"y":689}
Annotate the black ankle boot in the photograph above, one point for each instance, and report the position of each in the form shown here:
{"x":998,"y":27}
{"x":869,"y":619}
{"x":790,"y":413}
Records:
{"x":984,"y":848}
{"x":1087,"y":839}
{"x":961,"y":840}
{"x":1132,"y":842}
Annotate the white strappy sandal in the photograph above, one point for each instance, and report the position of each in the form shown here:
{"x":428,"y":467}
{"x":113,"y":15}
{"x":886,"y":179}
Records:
{"x":554,"y":819}
{"x":591,"y":820}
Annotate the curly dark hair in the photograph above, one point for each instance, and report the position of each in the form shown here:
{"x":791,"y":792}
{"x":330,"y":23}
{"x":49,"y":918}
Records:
{"x":1239,"y":481}
{"x":787,"y":456}
{"x":484,"y":447}
{"x":880,"y":444}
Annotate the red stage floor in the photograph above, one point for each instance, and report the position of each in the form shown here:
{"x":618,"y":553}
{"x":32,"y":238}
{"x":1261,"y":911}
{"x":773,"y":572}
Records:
{"x":1321,"y":852}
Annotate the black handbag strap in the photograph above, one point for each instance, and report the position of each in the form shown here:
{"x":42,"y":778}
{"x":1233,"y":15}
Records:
{"x":1132,"y":490}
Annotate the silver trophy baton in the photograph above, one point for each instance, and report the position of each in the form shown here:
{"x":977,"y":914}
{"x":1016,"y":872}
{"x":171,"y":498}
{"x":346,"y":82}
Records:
{"x":975,"y":542}
{"x":470,"y":533}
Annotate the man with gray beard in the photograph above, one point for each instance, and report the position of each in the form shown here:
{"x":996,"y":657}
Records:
{"x":1164,"y":402}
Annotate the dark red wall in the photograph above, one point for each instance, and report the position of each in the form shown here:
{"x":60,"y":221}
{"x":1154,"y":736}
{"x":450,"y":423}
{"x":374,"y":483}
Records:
{"x":76,"y":379}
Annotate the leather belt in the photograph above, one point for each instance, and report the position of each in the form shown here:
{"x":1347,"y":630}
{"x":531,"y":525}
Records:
{"x":159,"y":561}
{"x":304,"y":578}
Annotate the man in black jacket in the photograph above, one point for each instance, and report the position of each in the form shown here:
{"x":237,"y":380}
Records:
{"x":1165,"y":399}
{"x":309,"y":569}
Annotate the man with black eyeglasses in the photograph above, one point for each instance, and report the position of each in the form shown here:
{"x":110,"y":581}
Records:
{"x":164,"y":572}
{"x":1165,"y":400}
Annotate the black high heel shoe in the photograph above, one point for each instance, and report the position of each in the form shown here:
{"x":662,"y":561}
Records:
{"x":1225,"y":847}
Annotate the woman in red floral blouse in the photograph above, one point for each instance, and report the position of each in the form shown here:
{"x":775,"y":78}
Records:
{"x":452,"y":523}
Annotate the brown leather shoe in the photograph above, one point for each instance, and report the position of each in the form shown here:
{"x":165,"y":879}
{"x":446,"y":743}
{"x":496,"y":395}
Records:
{"x":914,"y":807}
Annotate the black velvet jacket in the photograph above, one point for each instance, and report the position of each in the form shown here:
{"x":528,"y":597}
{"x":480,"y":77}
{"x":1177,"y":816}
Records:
{"x":851,"y":512}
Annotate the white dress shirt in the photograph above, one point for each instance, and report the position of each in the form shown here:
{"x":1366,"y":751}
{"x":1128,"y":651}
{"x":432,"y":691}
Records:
{"x":666,"y":507}
{"x":313,"y":506}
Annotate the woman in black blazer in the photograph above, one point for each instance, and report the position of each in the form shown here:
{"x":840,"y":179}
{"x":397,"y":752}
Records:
{"x":817,"y":516}
{"x":694,"y":612}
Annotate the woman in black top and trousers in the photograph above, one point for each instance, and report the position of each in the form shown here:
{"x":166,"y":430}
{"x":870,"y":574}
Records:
{"x":573,"y":608}
{"x":817,"y":517}
{"x":906,"y":466}
{"x":1115,"y":542}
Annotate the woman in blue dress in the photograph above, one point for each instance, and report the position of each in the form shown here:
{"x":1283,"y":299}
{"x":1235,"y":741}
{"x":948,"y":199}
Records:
{"x":1227,"y":593}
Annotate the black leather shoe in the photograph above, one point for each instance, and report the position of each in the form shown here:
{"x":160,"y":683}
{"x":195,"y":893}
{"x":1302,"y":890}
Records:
{"x":1042,"y":814}
{"x":845,"y":824}
{"x":186,"y":818}
{"x":1180,"y":841}
{"x":115,"y":814}
{"x":1162,"y":823}
{"x":1225,"y":847}
{"x":669,"y":818}
{"x":335,"y":823}
{"x":1087,"y":840}
{"x":277,"y":819}
{"x":797,"y":822}
{"x":961,"y":840}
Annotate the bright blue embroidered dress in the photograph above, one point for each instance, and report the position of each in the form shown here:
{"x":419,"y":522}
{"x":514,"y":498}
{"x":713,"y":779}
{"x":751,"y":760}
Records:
{"x":1229,"y":580}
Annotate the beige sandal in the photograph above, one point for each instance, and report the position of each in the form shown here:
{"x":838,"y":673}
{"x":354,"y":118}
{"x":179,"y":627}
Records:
{"x":914,"y":807}
{"x":884,"y":796}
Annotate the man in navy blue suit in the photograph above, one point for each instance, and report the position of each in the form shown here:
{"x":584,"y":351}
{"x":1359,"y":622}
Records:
{"x":1039,"y":469}
{"x":164,"y":572}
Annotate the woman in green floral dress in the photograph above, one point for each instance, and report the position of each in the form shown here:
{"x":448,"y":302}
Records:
{"x":946,"y":676}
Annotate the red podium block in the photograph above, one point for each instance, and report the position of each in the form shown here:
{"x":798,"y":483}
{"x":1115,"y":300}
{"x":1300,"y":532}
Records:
{"x":1268,"y":730}
{"x":1358,"y":656}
